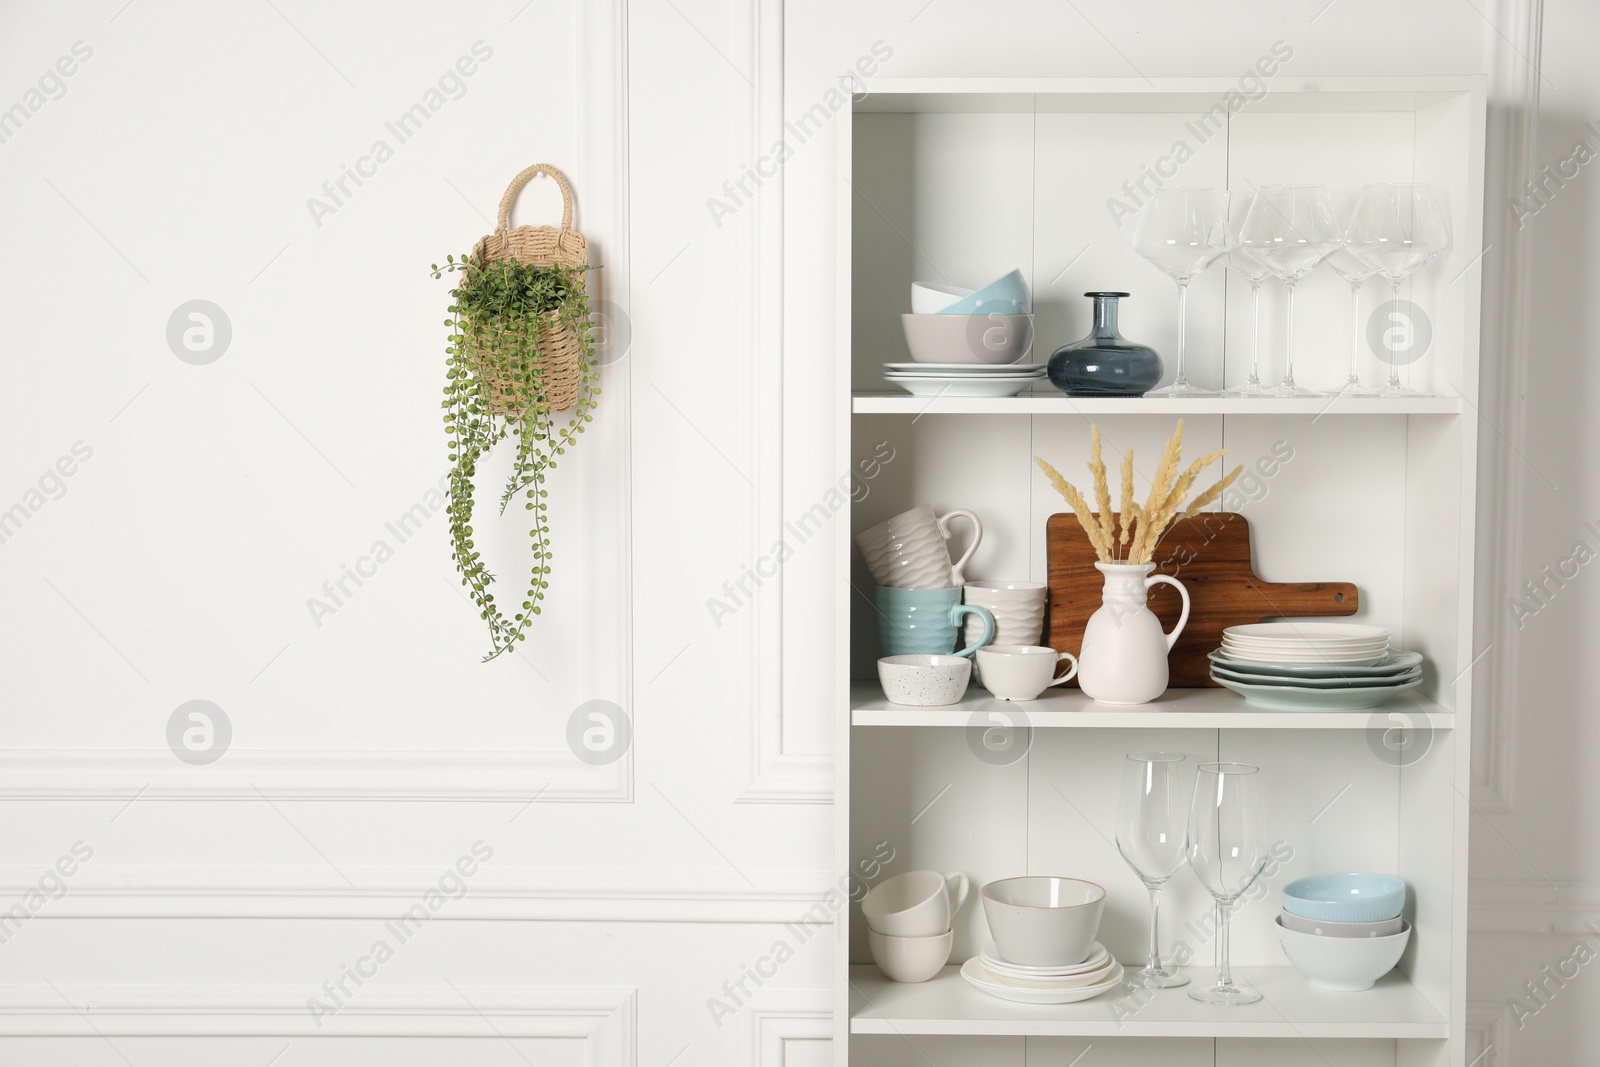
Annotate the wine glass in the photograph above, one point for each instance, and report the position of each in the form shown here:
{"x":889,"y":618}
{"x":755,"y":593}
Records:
{"x":1399,"y":229}
{"x":1227,"y":849}
{"x":1355,"y":270}
{"x":1183,"y":231}
{"x":1150,"y":836}
{"x":1255,"y":273}
{"x":1290,"y":228}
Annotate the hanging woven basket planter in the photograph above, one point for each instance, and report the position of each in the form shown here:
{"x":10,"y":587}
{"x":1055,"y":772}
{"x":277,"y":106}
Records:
{"x":520,"y":363}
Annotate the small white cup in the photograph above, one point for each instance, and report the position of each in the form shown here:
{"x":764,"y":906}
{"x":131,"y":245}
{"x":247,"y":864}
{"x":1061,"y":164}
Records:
{"x":1022,"y":672}
{"x":910,"y":959}
{"x":915,"y":904}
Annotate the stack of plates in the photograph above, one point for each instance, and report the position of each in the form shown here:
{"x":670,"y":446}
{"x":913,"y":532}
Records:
{"x":1043,"y":985}
{"x":964,"y":379}
{"x":1313,"y":666}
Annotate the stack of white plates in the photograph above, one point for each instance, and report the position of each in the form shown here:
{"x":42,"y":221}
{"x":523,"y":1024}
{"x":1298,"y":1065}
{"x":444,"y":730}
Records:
{"x":1306,"y":666}
{"x":1043,"y":985}
{"x":964,"y":379}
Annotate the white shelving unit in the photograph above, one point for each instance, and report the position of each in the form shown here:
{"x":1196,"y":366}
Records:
{"x":960,"y":180}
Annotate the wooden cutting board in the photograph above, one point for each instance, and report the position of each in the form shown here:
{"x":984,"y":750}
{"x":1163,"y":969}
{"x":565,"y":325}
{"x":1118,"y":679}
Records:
{"x":1210,"y":555}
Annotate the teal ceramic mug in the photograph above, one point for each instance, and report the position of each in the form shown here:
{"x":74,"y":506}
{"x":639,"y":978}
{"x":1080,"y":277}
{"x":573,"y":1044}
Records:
{"x":926,"y":621}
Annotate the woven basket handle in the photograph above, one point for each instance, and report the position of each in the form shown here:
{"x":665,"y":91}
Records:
{"x":522,"y":179}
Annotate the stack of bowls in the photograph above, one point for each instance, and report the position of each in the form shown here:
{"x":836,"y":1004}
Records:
{"x":909,"y":921}
{"x":1313,"y":666}
{"x":1044,"y":949}
{"x":1344,"y":931}
{"x":968,"y":342}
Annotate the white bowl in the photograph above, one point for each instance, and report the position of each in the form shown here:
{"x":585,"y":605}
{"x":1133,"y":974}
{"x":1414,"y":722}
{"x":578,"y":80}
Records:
{"x":1041,"y":921}
{"x":930,"y":298}
{"x":1323,"y":928}
{"x":991,"y":339}
{"x":1342,"y":964}
{"x":910,"y":959}
{"x":924,"y":681}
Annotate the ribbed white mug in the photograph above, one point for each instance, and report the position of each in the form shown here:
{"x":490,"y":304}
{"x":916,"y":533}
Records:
{"x":1017,"y":607}
{"x":909,"y":551}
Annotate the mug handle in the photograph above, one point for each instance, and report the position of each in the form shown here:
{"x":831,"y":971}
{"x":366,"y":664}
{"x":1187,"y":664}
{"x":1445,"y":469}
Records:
{"x":1073,"y":673}
{"x":956,"y":883}
{"x":984,"y":615}
{"x":1159,"y":579}
{"x":943,"y":522}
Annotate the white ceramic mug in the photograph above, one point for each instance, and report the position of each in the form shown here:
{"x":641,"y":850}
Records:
{"x":915,"y":904}
{"x":1022,"y":672}
{"x":910,"y":959}
{"x":1017,"y":607}
{"x":909,"y":551}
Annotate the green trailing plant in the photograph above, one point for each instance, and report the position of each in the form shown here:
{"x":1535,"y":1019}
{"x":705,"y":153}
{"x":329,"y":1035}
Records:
{"x":503,"y":316}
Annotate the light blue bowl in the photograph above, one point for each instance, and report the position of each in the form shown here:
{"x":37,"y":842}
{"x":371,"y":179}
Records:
{"x":1003,"y":296}
{"x":1346,"y":898}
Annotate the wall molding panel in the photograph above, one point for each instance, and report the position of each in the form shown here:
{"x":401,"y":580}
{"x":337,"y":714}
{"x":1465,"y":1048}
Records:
{"x":606,"y":1018}
{"x":1533,"y":906}
{"x":1488,"y":1034}
{"x":777,"y":1017}
{"x":540,"y":894}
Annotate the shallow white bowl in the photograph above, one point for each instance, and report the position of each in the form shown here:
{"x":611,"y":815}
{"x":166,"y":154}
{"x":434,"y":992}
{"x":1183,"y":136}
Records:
{"x":991,"y":339}
{"x":910,"y":959}
{"x":924,"y":681}
{"x":1043,"y":921}
{"x":1342,"y":964}
{"x":930,"y":298}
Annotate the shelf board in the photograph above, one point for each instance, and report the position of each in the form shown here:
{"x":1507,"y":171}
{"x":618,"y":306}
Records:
{"x":1050,"y":402}
{"x":1176,"y":709}
{"x":947,"y":1005}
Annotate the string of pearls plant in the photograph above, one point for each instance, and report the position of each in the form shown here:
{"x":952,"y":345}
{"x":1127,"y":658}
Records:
{"x":504,"y":317}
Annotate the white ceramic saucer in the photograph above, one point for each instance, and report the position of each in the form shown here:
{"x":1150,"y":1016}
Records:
{"x":980,"y":977}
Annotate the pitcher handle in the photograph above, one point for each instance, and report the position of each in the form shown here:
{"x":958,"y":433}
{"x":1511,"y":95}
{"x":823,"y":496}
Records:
{"x":959,"y":565}
{"x":984,"y":616}
{"x":956,"y":884}
{"x":1183,"y":617}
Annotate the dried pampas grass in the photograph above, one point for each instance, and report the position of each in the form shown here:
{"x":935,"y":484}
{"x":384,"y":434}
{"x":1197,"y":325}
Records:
{"x":1143,"y":525}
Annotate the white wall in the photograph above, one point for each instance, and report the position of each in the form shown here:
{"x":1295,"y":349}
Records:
{"x":175,"y":562}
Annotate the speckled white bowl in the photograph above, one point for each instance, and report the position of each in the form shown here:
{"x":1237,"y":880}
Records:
{"x":923,"y":680}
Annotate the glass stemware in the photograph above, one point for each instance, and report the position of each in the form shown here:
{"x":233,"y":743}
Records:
{"x":1291,"y":229}
{"x":1227,"y":849}
{"x":1150,"y":835}
{"x":1182,"y":232}
{"x":1347,"y":264}
{"x":1399,"y":229}
{"x":1255,"y":273}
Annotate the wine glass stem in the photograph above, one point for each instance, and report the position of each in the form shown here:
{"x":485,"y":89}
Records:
{"x":1155,"y":938}
{"x":1355,"y":334}
{"x":1394,"y":317}
{"x":1288,"y":342}
{"x":1224,"y":971}
{"x":1255,"y":334}
{"x":1183,"y":302}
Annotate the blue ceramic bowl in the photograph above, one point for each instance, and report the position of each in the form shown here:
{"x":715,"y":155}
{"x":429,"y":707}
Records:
{"x":1003,"y":296}
{"x":1346,"y":898}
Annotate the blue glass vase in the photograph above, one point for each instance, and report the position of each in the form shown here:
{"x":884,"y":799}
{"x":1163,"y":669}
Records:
{"x":1105,"y":363}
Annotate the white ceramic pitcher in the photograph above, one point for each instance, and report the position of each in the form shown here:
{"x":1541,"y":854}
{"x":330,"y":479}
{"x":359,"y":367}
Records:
{"x":1124,"y":656}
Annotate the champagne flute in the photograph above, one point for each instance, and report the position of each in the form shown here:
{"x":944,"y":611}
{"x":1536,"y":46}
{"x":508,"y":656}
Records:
{"x":1182,"y":232}
{"x":1399,"y":229}
{"x":1290,"y":228}
{"x":1150,"y":835}
{"x":1239,"y":261}
{"x":1226,"y":849}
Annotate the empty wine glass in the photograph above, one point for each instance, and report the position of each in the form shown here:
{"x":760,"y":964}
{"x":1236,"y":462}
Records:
{"x":1151,"y":813}
{"x":1255,"y":273}
{"x":1349,"y":265}
{"x":1182,"y":231}
{"x":1227,"y":849}
{"x":1290,"y":228}
{"x":1399,"y":229}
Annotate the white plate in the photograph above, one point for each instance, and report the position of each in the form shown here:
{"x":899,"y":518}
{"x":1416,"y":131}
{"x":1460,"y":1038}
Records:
{"x":960,"y":370}
{"x":1303,"y":646}
{"x":934,"y":387}
{"x":980,"y":977}
{"x":1325,"y":662}
{"x":1320,"y":632}
{"x":1098,"y":957}
{"x":1289,"y":698}
{"x":1398,"y":661}
{"x":1071,"y":981}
